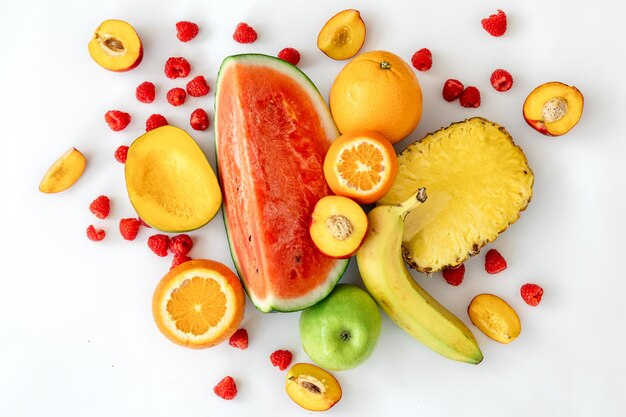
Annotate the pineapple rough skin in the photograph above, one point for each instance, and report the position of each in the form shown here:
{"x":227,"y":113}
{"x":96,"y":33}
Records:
{"x":478,"y":184}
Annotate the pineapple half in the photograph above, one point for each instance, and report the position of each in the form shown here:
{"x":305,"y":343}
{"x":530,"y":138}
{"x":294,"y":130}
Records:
{"x":477,"y":181}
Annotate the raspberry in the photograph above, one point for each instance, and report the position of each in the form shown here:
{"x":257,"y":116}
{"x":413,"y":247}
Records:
{"x":179,"y":259}
{"x":154,"y":121}
{"x":244,"y":33}
{"x":129,"y":228}
{"x":176,"y":96}
{"x":290,"y":55}
{"x":121,"y":153}
{"x":495,"y":24}
{"x":117,"y":120}
{"x":239,"y":339}
{"x":226,"y":388}
{"x":452,"y":89}
{"x":145,"y":92}
{"x":494,"y":262}
{"x":470,"y":97}
{"x":100,"y":207}
{"x":181,"y":244}
{"x":95,"y":235}
{"x":281,"y":359}
{"x":454,"y":276}
{"x":158,"y":244}
{"x":501,"y":80}
{"x":144,"y":224}
{"x":531,"y":293}
{"x":197,"y":87}
{"x":186,"y":31}
{"x":422,"y":60}
{"x":199,"y":119}
{"x":177,"y":67}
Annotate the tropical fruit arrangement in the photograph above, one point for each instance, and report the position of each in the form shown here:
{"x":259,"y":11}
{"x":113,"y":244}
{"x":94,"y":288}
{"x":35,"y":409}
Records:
{"x":306,"y":184}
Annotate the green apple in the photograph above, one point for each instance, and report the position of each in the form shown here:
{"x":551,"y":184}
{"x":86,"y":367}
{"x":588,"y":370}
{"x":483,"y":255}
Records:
{"x":342,"y":330}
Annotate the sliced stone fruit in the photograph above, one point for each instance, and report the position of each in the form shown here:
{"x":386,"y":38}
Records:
{"x":495,"y":318}
{"x":553,"y":108}
{"x":64,"y":172}
{"x":116,"y":46}
{"x":343,"y":35}
{"x":478,"y":183}
{"x":338,"y":226}
{"x":169,"y":181}
{"x":312,"y":388}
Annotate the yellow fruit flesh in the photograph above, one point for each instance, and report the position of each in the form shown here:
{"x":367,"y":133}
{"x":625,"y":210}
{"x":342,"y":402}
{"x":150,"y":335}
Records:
{"x":64,"y":172}
{"x":312,"y":388}
{"x":535,"y":104}
{"x":170,"y":182}
{"x":494,"y":317}
{"x":343,"y":35}
{"x":115,"y":45}
{"x":478,"y":183}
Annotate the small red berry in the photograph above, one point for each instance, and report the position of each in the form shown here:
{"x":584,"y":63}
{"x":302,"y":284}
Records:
{"x":290,"y":55}
{"x":531,"y":293}
{"x":470,"y":97}
{"x":244,"y":33}
{"x":117,"y":120}
{"x":281,"y":359}
{"x":154,"y":121}
{"x":199,"y":119}
{"x":100,"y":207}
{"x":239,"y":339}
{"x":501,"y":80}
{"x":186,"y":31}
{"x":181,"y":244}
{"x":176,"y":96}
{"x":121,"y":153}
{"x":158,"y":244}
{"x":145,"y":92}
{"x":95,"y":235}
{"x":129,"y":228}
{"x":144,"y":224}
{"x":494,"y":262}
{"x":198,"y":87}
{"x":226,"y":388}
{"x":177,"y":67}
{"x":422,"y":60}
{"x":454,"y":276}
{"x":179,"y":259}
{"x":452,"y":89}
{"x":495,"y":24}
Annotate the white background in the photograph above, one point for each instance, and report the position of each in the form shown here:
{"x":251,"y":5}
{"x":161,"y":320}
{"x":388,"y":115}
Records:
{"x":77,"y":332}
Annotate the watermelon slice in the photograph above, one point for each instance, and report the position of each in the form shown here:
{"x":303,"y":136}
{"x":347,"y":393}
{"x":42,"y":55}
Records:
{"x":272,"y":131}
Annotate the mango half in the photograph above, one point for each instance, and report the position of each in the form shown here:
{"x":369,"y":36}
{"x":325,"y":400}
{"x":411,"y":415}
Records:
{"x":170,"y":182}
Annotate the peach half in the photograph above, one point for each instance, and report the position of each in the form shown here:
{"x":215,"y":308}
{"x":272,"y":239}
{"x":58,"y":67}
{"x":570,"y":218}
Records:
{"x":338,"y":226}
{"x":64,"y":172}
{"x":343,"y":35}
{"x":495,"y":318}
{"x":116,"y":46}
{"x":553,"y":108}
{"x":312,"y":388}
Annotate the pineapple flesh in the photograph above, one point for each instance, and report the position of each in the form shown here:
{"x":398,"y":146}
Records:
{"x":478,"y":182}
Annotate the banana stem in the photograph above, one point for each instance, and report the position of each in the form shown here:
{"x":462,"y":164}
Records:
{"x":410,"y":203}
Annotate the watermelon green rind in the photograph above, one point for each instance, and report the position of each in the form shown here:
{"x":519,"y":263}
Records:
{"x":334,"y":275}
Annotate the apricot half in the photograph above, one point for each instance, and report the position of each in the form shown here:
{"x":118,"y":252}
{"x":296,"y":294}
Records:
{"x":338,"y":226}
{"x":312,"y":388}
{"x":553,"y":108}
{"x":343,"y":35}
{"x":494,"y":317}
{"x":64,"y":172}
{"x":116,"y":46}
{"x":170,"y":182}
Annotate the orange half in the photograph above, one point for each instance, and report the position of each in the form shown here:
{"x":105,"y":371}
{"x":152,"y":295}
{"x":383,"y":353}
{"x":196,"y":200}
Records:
{"x":198,"y":304}
{"x":361,"y":166}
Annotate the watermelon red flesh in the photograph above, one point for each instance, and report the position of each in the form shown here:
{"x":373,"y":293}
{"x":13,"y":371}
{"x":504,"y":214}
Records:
{"x":271,"y":144}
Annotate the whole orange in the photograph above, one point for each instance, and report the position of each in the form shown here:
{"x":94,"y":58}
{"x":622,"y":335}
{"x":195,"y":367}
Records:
{"x":377,"y":91}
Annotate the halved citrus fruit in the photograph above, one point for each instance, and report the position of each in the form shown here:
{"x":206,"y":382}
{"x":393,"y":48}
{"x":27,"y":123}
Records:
{"x":361,"y":166}
{"x":198,"y":304}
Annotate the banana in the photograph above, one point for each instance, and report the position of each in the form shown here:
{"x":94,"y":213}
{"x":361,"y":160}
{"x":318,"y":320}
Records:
{"x":387,"y":279}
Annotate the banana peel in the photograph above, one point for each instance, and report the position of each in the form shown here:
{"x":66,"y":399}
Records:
{"x":387,"y":279}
